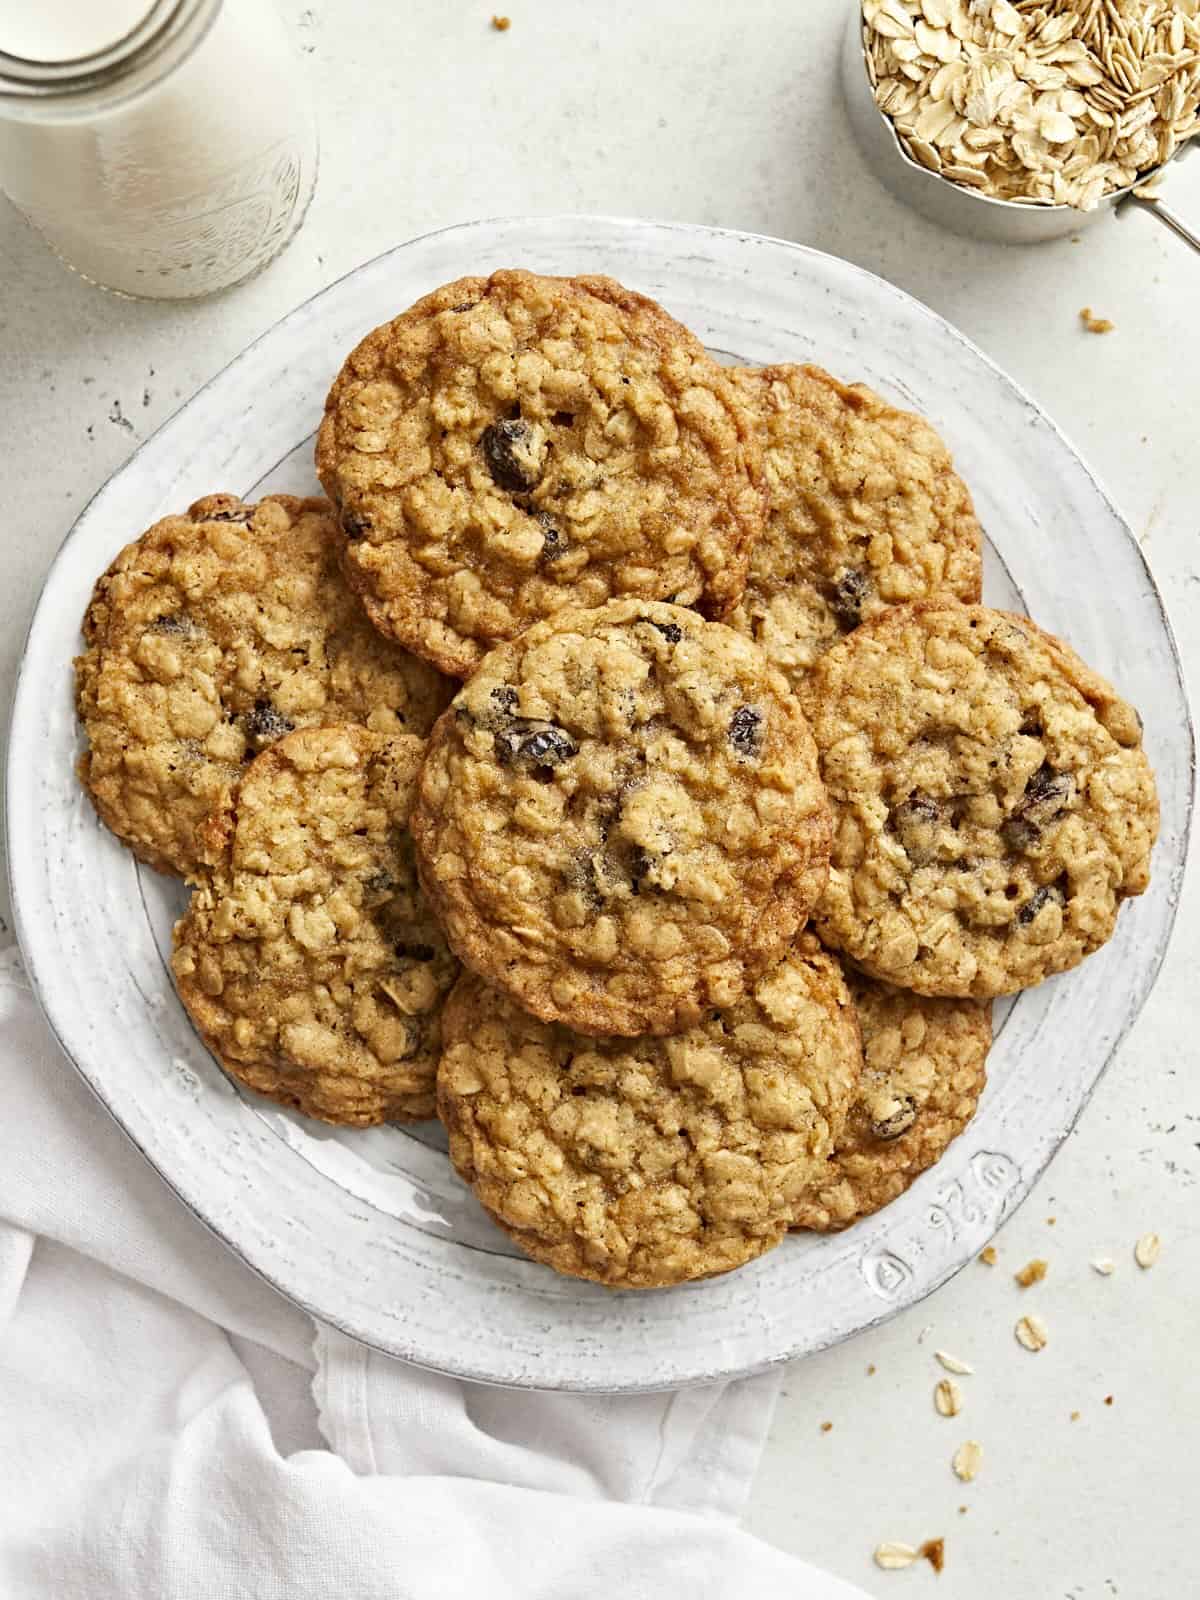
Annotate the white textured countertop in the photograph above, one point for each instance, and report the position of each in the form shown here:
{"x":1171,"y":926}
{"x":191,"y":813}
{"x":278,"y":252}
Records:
{"x":731,"y":115}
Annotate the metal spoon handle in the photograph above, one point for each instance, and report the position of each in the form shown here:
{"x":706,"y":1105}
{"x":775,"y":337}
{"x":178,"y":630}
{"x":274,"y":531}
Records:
{"x":1169,"y":220}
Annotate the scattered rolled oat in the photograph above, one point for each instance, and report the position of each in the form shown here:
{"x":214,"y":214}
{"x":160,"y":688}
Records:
{"x":1103,"y":1266}
{"x":968,"y":1459}
{"x":1146,"y":1251}
{"x":934,"y":1551}
{"x":1094,"y":324}
{"x":826,"y":1427}
{"x":1032,"y":1272}
{"x":871,"y":1370}
{"x":502,"y":24}
{"x":1031,"y":1332}
{"x":953,"y":1364}
{"x":1046,"y":102}
{"x":1075,"y":1416}
{"x":947,"y":1397}
{"x":988,"y":1256}
{"x":892,"y":1556}
{"x":1108,"y":1399}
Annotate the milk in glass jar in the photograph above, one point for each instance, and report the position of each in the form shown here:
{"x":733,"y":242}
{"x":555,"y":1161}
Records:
{"x":163,"y":148}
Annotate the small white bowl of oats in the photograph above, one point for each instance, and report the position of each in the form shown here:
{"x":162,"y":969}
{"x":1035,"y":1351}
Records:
{"x":1023,"y":122}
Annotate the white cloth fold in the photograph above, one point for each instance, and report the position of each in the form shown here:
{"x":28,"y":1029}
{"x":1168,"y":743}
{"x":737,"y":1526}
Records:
{"x":171,"y":1427}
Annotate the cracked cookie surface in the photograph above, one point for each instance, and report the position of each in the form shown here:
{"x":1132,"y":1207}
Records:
{"x":209,"y":638}
{"x":645,"y":1162}
{"x":308,"y":959}
{"x":924,"y":1069}
{"x":620,"y":821}
{"x":514,"y":445}
{"x":992,"y":803}
{"x":865,"y":511}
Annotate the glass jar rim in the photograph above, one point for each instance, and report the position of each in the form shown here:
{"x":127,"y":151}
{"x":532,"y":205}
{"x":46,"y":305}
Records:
{"x":164,"y":37}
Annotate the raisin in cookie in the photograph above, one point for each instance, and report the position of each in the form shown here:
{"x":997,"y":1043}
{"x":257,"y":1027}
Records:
{"x":646,"y":1162}
{"x":865,"y":511}
{"x":516,"y":444}
{"x":207,"y":639}
{"x":924,"y":1068}
{"x":620,"y":821}
{"x":308,"y":959}
{"x":992,"y":802}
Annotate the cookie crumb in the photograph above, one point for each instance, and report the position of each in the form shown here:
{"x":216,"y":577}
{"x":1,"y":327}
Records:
{"x":1108,"y":1399}
{"x":1094,"y":324}
{"x":934,"y":1551}
{"x":962,"y":1510}
{"x":1147,"y":1250}
{"x":1075,"y":1416}
{"x":947,"y":1398}
{"x":502,"y":24}
{"x":1103,"y":1266}
{"x":826,"y":1427}
{"x":1032,"y":1272}
{"x":871,"y":1370}
{"x":988,"y":1256}
{"x":891,"y":1556}
{"x":968,"y":1459}
{"x":953,"y":1364}
{"x":1031,"y":1333}
{"x":1050,"y":1221}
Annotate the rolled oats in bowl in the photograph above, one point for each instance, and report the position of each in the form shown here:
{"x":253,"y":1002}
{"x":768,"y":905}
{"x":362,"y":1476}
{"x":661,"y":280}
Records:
{"x":1045,"y":102}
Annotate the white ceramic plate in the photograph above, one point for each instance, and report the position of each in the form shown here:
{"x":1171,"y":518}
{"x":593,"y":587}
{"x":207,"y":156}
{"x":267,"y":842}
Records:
{"x":371,"y":1231}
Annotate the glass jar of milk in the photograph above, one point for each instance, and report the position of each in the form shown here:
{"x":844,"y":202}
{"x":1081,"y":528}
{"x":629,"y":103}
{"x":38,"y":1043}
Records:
{"x":163,"y":148}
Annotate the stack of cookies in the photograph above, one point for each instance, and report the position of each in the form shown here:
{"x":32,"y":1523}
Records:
{"x":685,"y":908}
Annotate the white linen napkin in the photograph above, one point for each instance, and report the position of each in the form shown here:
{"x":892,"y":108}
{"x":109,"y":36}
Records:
{"x":171,"y":1427}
